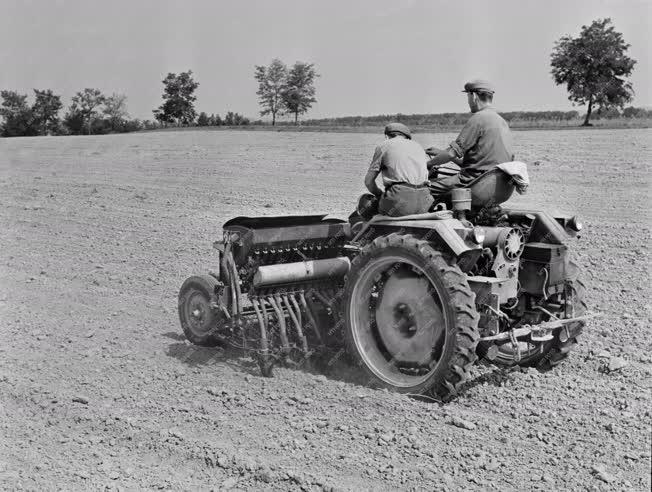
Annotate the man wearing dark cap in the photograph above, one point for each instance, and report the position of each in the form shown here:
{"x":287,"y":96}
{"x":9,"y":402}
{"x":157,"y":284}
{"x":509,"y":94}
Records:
{"x":403,"y":166}
{"x":484,"y":142}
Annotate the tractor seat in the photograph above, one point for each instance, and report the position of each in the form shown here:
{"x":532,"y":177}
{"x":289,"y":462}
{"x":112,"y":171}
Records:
{"x":492,"y":188}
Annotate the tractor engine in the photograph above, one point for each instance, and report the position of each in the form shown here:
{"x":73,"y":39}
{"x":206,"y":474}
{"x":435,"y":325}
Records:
{"x":495,"y":277}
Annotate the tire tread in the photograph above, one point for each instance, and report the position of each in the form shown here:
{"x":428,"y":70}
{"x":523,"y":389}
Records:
{"x":465,"y":329}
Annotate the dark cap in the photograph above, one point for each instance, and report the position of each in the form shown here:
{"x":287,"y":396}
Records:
{"x":398,"y":128}
{"x":479,"y":86}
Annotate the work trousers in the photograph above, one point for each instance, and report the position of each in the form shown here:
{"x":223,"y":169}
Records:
{"x":442,"y":186}
{"x":403,"y":199}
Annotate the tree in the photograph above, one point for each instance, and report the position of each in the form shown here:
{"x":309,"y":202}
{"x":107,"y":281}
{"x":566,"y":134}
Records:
{"x":271,"y":84}
{"x":178,"y":99}
{"x":131,"y":125}
{"x":299,"y":92}
{"x":161,"y":117}
{"x":632,"y":112}
{"x":238,"y":119}
{"x":86,"y":103}
{"x":203,"y":119}
{"x":74,"y":121}
{"x":610,"y":114}
{"x":115,"y":110}
{"x":45,"y":111}
{"x":235,"y":119}
{"x":150,"y":125}
{"x":594,"y":66}
{"x":18,"y":117}
{"x":215,"y":120}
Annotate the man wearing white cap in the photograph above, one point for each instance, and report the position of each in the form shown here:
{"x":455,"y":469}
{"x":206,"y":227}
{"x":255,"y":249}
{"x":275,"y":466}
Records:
{"x":403,"y":166}
{"x":484,"y":142}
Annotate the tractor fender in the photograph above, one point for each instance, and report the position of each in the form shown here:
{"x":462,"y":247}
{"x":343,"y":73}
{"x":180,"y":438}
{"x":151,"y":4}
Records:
{"x":450,"y":233}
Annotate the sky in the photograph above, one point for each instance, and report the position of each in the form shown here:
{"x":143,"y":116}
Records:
{"x":373,"y":57}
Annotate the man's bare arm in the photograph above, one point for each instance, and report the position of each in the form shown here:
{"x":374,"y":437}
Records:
{"x":442,"y":158}
{"x":370,"y":182}
{"x":433,"y":151}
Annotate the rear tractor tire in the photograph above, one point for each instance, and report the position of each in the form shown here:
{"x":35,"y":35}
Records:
{"x":410,"y":317}
{"x":199,"y":320}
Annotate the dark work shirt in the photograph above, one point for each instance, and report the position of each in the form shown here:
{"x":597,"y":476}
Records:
{"x":484,"y":142}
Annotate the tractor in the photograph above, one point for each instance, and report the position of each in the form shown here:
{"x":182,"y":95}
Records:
{"x":413,"y":302}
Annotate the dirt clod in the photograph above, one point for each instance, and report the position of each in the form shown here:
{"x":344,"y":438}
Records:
{"x":462,"y":423}
{"x":601,"y":473}
{"x":616,"y":364}
{"x":229,"y":483}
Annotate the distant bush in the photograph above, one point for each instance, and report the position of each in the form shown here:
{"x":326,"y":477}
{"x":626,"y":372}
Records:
{"x":150,"y":125}
{"x":134,"y":125}
{"x":442,"y":119}
{"x":73,"y":122}
{"x":230,"y":119}
{"x":235,"y":119}
{"x":541,"y":115}
{"x":203,"y":120}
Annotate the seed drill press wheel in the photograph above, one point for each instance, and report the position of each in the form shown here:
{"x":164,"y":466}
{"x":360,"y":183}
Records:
{"x":198,"y":318}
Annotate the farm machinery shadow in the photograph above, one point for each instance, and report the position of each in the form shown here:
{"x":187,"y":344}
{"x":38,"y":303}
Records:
{"x":195,"y":357}
{"x":335,"y":367}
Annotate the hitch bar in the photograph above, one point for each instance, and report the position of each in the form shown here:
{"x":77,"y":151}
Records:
{"x":537,"y":331}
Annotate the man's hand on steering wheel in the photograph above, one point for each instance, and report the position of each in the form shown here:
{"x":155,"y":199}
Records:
{"x":433,"y":151}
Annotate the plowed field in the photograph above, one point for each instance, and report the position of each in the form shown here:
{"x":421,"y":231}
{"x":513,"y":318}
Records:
{"x":99,"y":390}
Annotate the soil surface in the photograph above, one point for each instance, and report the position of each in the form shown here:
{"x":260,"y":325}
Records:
{"x":99,"y":389}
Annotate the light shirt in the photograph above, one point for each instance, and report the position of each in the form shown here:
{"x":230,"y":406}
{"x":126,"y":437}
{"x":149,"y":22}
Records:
{"x":484,"y":142}
{"x":400,"y":160}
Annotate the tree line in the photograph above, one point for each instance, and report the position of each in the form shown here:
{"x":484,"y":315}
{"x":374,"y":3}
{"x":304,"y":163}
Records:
{"x":441,"y":119}
{"x":448,"y":120}
{"x":93,"y":113}
{"x":90,"y":111}
{"x":178,"y":108}
{"x":593,"y":66}
{"x":281,"y":90}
